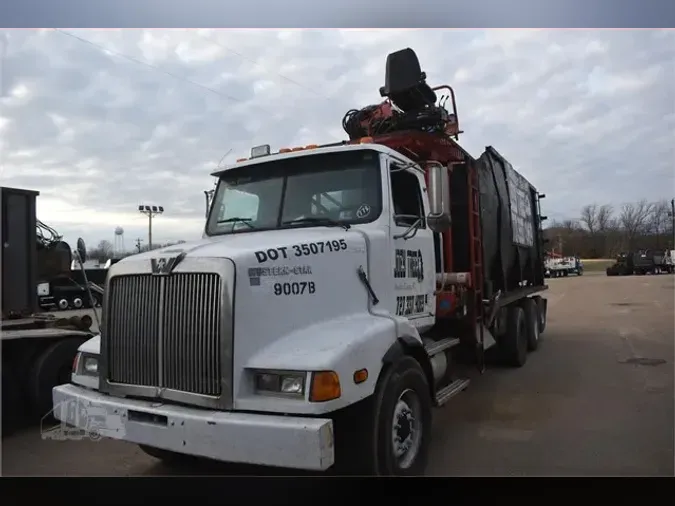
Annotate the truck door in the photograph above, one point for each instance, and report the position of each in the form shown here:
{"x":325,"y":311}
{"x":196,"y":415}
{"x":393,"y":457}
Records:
{"x":413,"y":247}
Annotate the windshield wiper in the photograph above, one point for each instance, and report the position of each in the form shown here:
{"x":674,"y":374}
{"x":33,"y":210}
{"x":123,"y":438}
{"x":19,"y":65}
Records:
{"x":236,"y":220}
{"x":329,"y":222}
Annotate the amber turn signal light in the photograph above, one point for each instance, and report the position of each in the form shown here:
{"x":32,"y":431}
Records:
{"x":325,"y":386}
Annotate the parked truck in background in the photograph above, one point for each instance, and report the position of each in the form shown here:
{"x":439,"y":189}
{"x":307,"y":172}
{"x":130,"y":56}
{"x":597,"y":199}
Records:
{"x":669,"y":260}
{"x":556,"y":267}
{"x":37,"y":349}
{"x":642,"y":262}
{"x":337,"y":296}
{"x":63,"y":283}
{"x":623,"y":266}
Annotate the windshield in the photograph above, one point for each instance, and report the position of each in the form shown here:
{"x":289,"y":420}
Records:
{"x":337,"y":189}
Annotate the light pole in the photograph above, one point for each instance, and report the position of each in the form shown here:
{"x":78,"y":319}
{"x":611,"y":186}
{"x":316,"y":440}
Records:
{"x":150,"y":211}
{"x":672,"y":217}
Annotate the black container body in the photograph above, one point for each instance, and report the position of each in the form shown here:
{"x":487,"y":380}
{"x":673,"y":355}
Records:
{"x":513,"y":253}
{"x":19,"y":251}
{"x":644,"y":259}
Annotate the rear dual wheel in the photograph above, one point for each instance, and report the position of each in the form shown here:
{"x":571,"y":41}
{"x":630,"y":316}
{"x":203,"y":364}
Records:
{"x":525,"y":323}
{"x":533,"y":323}
{"x":513,"y":344}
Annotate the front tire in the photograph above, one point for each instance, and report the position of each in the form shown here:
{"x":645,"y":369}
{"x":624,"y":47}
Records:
{"x":391,"y":436}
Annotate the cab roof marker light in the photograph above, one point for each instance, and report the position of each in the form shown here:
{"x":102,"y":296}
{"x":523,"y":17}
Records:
{"x":284,"y":150}
{"x":262,"y":150}
{"x":241,"y":160}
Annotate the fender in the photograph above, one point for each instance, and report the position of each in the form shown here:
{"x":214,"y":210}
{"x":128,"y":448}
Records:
{"x":408,"y":345}
{"x":399,"y":348}
{"x":343,"y":345}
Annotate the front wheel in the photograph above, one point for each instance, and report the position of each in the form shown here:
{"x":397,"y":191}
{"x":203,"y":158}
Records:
{"x":393,"y":433}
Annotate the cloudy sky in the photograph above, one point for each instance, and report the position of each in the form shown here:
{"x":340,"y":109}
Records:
{"x":101,"y":121}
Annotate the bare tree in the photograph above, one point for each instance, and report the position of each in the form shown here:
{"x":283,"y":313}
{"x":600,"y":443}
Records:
{"x":589,"y":218}
{"x":658,"y":218}
{"x":604,"y":218}
{"x":570,"y":225}
{"x":634,"y":219}
{"x":105,"y":248}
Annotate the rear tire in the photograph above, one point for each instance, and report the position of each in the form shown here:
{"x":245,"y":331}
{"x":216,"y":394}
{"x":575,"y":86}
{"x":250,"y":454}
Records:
{"x":513,"y":344}
{"x":542,"y":313}
{"x":531,"y":309}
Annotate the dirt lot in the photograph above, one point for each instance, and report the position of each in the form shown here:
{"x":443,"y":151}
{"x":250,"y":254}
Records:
{"x":580,"y":406}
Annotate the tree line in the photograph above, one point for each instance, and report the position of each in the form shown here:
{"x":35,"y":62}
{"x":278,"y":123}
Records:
{"x":603,"y":231}
{"x":600,"y":231}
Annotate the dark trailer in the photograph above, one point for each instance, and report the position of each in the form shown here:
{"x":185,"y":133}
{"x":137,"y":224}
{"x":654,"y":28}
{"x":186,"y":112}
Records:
{"x":37,"y":349}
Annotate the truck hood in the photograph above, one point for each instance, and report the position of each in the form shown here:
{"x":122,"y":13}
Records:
{"x":245,"y":245}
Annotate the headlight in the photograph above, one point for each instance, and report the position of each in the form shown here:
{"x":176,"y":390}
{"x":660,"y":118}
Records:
{"x":85,"y":364}
{"x":90,"y":366}
{"x":292,"y":383}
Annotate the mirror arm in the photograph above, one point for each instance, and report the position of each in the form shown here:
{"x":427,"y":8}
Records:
{"x":411,"y":231}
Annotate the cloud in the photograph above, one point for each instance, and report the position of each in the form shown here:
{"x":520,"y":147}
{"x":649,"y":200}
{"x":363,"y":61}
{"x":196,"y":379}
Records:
{"x":118,"y":118}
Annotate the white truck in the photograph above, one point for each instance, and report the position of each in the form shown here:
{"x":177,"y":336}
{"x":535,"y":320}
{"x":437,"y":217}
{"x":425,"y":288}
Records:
{"x":322,"y":315}
{"x":557,"y":267}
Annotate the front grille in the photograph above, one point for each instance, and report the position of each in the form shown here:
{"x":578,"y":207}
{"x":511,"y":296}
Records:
{"x":164,"y":331}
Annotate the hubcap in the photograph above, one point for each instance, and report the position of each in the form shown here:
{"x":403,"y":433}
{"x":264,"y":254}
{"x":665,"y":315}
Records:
{"x":406,"y":428}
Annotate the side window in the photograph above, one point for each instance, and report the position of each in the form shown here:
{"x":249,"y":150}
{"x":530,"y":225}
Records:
{"x":407,"y":198}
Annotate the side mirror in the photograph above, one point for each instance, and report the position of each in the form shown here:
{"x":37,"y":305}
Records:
{"x":81,"y":250}
{"x":439,"y":198}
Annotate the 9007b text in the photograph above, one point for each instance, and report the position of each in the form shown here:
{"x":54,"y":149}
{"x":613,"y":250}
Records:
{"x":299,"y":288}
